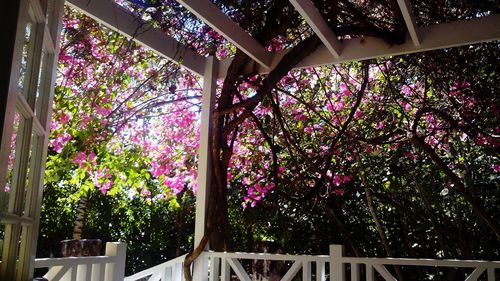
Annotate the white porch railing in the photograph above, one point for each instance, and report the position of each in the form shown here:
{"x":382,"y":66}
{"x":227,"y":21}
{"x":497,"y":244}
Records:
{"x":110,"y":267}
{"x":227,"y":266}
{"x":168,"y":271}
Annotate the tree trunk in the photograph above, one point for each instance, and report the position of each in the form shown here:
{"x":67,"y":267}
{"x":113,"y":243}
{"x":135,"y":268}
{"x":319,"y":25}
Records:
{"x":373,"y":212}
{"x":78,"y":247}
{"x":80,"y":218}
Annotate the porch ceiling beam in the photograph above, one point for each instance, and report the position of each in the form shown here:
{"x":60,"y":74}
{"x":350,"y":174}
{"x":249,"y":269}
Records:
{"x":439,"y":36}
{"x":206,"y":11}
{"x":411,"y":25}
{"x":316,"y":21}
{"x":120,"y":20}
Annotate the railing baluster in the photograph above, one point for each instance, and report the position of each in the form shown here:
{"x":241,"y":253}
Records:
{"x":74,"y":272}
{"x":475,"y":274}
{"x":355,"y":272}
{"x":320,"y":271}
{"x":167,"y":274}
{"x":238,"y":269}
{"x":214,"y":269}
{"x":225,"y":270}
{"x":306,"y":271}
{"x":370,"y":274}
{"x":384,"y":272}
{"x":96,"y":270}
{"x":178,"y":272}
{"x":294,"y":269}
{"x":491,"y":274}
{"x":88,"y":272}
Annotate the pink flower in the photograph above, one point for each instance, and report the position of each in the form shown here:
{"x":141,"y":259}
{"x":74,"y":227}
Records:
{"x":64,"y":118}
{"x":105,"y":186}
{"x":145,"y":192}
{"x":80,"y":158}
{"x":379,"y":125}
{"x":496,"y":168}
{"x":345,"y":90}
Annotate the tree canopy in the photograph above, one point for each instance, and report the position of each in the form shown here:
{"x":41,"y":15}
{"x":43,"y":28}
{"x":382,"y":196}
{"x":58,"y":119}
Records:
{"x":396,"y":151}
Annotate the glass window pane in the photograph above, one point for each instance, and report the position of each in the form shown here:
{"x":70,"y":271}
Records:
{"x":42,"y":79}
{"x":4,"y":196}
{"x":27,"y":46}
{"x":2,"y":236}
{"x":30,"y":187}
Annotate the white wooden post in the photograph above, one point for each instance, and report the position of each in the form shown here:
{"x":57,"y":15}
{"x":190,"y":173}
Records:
{"x":337,"y":271}
{"x":116,"y":271}
{"x":200,"y":270}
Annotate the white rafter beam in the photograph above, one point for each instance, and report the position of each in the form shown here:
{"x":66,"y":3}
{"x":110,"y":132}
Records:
{"x":406,"y":10}
{"x":118,"y":19}
{"x":216,"y":19}
{"x":439,"y":36}
{"x":316,"y":21}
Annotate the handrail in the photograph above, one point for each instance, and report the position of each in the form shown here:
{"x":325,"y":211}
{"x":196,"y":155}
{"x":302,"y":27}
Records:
{"x":156,"y":269}
{"x":72,"y":261}
{"x":266,"y":256}
{"x":422,"y":262}
{"x":110,"y":267}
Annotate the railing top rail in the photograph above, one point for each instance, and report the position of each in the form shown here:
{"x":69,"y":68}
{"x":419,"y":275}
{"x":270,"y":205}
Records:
{"x":71,"y":261}
{"x":155,"y":268}
{"x":423,"y":262}
{"x":266,"y":256}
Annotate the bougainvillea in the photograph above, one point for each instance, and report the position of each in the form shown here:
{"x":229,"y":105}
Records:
{"x":397,"y":129}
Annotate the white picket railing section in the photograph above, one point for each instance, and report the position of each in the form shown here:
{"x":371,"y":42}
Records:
{"x":227,"y":266}
{"x":378,"y":265}
{"x":171,"y":270}
{"x":110,"y":267}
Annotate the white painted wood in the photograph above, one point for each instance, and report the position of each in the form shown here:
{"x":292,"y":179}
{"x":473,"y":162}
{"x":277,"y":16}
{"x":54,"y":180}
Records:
{"x":225,"y":270}
{"x":267,"y":256}
{"x":57,"y":272}
{"x":320,"y":271}
{"x":355,"y":276}
{"x":97,"y":272}
{"x":216,"y":19}
{"x":204,"y":163}
{"x":74,"y":271}
{"x":370,"y":274}
{"x":439,"y":36}
{"x":116,"y":271}
{"x":337,"y":269}
{"x":292,"y":272}
{"x":411,"y":25}
{"x":306,"y":271}
{"x":167,"y":274}
{"x":214,"y":269}
{"x":384,"y":272}
{"x":475,"y":274}
{"x":318,"y":24}
{"x":204,"y":151}
{"x":491,"y":274}
{"x":84,"y":272}
{"x":178,"y":273}
{"x":155,"y":277}
{"x":423,"y":262}
{"x":174,"y":264}
{"x":117,"y":19}
{"x":238,"y":269}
